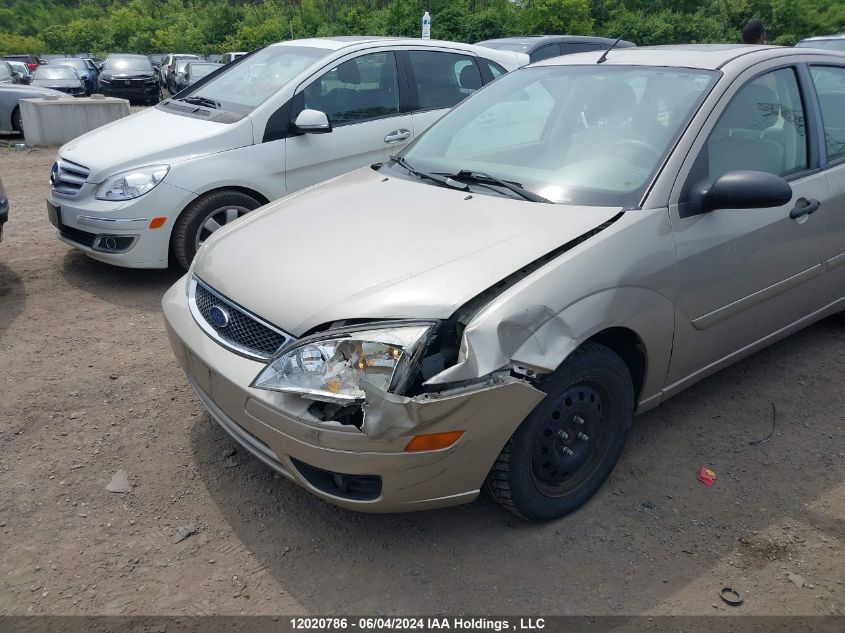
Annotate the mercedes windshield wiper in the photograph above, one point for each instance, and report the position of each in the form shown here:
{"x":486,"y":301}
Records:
{"x":440,"y":180}
{"x":197,"y":100}
{"x":483,"y":178}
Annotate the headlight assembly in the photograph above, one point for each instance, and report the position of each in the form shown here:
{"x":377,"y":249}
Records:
{"x":335,"y":366}
{"x":132,"y":183}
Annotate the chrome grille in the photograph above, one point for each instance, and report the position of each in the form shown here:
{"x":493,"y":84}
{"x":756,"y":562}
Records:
{"x":67,"y":178}
{"x":243,"y":332}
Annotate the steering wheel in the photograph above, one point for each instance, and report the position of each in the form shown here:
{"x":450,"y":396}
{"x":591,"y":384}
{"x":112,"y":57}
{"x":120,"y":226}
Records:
{"x":636,"y":145}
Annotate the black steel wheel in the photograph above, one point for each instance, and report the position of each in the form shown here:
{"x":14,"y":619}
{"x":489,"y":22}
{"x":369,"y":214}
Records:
{"x":565,"y":449}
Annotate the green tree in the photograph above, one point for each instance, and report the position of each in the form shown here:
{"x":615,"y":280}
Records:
{"x":557,"y":16}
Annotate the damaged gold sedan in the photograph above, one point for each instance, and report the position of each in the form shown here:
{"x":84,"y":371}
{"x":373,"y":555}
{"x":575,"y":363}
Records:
{"x":574,"y":243}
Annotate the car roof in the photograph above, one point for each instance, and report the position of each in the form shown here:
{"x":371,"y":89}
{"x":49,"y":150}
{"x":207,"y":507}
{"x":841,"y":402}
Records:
{"x":127,"y":55}
{"x":703,"y":56}
{"x":357,"y":42}
{"x":350,"y":41}
{"x":536,"y":41}
{"x":822,"y":38}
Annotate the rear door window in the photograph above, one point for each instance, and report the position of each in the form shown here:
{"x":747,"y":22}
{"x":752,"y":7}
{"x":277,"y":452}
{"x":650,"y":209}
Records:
{"x":443,"y":79}
{"x":550,"y":50}
{"x":580,"y":47}
{"x":830,"y":86}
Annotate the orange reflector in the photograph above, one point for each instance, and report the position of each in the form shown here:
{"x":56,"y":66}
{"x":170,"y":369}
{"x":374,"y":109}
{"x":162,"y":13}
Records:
{"x":158,"y":222}
{"x":433,"y":441}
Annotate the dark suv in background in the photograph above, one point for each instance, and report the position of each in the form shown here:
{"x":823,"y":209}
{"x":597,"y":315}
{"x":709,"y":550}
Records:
{"x":539,"y":47}
{"x":130,"y":77}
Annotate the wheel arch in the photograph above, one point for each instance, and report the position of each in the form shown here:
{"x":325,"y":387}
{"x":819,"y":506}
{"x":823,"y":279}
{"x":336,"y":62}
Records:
{"x":260,"y":197}
{"x":628,"y":345}
{"x":257,"y":196}
{"x":17,"y":108}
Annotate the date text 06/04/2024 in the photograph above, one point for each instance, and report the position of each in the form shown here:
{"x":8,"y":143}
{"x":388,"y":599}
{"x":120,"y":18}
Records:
{"x":433,"y":623}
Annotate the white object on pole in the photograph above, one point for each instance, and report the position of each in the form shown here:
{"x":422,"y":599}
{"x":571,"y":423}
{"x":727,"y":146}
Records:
{"x":426,"y":26}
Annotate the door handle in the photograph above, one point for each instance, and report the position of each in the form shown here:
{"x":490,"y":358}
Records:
{"x":804,"y":207}
{"x":397,"y":135}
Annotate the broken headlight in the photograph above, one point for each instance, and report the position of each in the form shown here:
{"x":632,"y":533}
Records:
{"x":336,"y":366}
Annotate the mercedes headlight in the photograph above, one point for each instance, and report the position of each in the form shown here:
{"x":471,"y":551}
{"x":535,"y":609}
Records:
{"x":131,"y":183}
{"x":336,"y":366}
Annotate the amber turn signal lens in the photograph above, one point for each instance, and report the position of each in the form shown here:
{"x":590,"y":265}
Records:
{"x":158,"y":222}
{"x":433,"y":441}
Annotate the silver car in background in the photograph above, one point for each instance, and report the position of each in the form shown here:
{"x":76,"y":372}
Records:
{"x":11,"y":119}
{"x":194,"y":71}
{"x":573,"y":244}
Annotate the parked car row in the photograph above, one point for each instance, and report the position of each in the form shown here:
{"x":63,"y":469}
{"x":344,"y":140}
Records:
{"x":286,"y":117}
{"x":572,"y":244}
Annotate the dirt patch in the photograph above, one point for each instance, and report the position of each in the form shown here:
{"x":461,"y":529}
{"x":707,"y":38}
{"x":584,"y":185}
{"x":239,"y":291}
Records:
{"x":90,"y":387}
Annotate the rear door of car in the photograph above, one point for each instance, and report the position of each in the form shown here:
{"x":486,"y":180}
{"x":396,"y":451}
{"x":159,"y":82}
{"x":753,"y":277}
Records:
{"x":438,"y":80}
{"x":829,"y":82}
{"x":162,"y":69}
{"x":745,"y":275}
{"x":365,"y":97}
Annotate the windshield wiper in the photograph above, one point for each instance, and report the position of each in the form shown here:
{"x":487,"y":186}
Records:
{"x":197,"y":100}
{"x":483,"y":178}
{"x":440,"y":180}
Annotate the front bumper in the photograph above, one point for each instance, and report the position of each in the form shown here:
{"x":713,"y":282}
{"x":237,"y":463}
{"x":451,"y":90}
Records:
{"x":145,"y":91}
{"x":84,"y":219}
{"x":277,"y":428}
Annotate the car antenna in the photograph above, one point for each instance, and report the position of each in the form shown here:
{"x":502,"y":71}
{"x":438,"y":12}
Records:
{"x":603,"y":57}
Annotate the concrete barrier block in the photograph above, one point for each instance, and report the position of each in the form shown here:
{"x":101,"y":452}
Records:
{"x":55,"y":121}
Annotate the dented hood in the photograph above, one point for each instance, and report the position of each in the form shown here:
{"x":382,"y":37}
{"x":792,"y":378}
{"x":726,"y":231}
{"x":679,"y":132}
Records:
{"x":152,"y":137}
{"x":366,"y":245}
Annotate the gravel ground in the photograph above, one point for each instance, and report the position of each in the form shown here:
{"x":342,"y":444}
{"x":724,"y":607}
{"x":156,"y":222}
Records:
{"x":89,"y":386}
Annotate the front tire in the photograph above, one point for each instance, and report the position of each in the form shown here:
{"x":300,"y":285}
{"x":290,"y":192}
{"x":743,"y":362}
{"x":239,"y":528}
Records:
{"x":565,"y":449}
{"x":203,"y":217}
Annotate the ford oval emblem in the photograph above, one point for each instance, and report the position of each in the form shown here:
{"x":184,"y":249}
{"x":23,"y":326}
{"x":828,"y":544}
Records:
{"x":218,"y":317}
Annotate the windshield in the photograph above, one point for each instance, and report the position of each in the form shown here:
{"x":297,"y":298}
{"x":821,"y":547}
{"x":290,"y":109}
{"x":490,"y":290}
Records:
{"x":201,"y":70}
{"x":55,"y":72}
{"x":123,"y":64}
{"x":251,"y":80}
{"x":590,"y":135}
{"x":831,"y":45}
{"x":517,"y":47}
{"x":79,"y":64}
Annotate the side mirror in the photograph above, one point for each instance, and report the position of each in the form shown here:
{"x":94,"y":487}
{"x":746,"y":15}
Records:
{"x":747,"y":190}
{"x":313,"y":122}
{"x":738,"y":190}
{"x":17,"y":77}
